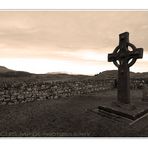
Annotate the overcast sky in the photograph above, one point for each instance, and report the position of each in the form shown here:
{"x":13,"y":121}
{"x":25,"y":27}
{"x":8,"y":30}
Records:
{"x":74,"y":42}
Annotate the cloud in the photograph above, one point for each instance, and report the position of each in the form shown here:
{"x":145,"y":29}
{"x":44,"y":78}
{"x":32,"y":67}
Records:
{"x":79,"y":36}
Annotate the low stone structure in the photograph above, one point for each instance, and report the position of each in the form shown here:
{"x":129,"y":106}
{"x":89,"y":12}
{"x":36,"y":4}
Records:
{"x":137,"y":84}
{"x":25,"y":91}
{"x":16,"y":91}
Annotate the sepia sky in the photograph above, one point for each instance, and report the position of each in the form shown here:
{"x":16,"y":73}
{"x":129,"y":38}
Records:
{"x":74,"y":42}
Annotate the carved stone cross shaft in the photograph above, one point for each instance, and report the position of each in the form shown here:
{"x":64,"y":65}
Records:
{"x":124,"y":56}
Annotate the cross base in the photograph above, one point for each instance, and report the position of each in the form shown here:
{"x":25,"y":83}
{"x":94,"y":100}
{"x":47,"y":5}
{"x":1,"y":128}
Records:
{"x":128,"y":111}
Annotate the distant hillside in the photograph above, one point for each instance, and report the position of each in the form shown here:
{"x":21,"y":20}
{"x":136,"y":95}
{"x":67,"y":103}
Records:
{"x":109,"y":74}
{"x":5,"y":72}
{"x":64,"y":76}
{"x":15,"y":74}
{"x":113,"y":74}
{"x":4,"y":69}
{"x":53,"y":76}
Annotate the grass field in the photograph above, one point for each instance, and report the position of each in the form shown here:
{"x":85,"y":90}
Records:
{"x":63,"y":117}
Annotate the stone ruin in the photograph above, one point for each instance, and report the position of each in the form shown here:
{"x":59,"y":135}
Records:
{"x":16,"y":92}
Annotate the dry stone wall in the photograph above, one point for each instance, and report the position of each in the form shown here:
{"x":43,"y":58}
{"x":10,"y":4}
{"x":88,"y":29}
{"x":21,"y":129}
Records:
{"x":16,"y":92}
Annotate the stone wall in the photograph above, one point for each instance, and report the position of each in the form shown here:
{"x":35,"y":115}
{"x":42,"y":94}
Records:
{"x":137,"y":83}
{"x":15,"y":92}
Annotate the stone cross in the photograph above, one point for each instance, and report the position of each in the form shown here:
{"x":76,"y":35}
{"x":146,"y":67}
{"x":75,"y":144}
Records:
{"x":124,"y":56}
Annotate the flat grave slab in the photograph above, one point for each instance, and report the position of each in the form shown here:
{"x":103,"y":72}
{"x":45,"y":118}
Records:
{"x":128,"y":111}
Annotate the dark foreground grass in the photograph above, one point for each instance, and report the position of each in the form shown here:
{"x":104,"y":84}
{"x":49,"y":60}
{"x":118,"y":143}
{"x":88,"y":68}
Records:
{"x":61,"y":117}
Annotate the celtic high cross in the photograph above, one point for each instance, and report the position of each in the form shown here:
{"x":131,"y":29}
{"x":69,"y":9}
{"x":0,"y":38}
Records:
{"x":124,"y":56}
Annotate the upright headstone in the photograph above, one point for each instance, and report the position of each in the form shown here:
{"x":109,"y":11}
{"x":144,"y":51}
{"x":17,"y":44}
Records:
{"x":145,"y":93}
{"x":124,"y":56}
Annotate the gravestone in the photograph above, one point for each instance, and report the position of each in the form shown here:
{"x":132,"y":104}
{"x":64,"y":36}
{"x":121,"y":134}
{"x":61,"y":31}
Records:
{"x":145,"y":93}
{"x":124,"y":56}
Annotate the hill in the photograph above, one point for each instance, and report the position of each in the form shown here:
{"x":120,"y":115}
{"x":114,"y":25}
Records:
{"x":108,"y":74}
{"x":53,"y":76}
{"x":61,"y":76}
{"x":4,"y":69}
{"x":113,"y":74}
{"x":5,"y":72}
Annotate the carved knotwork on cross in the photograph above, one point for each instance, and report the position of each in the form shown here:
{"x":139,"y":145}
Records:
{"x":124,"y":56}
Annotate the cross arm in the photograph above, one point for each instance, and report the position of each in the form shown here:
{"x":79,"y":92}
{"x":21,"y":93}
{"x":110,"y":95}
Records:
{"x":137,"y":53}
{"x":112,"y":57}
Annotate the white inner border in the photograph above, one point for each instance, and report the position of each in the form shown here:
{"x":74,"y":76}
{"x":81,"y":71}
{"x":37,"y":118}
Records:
{"x":73,"y":4}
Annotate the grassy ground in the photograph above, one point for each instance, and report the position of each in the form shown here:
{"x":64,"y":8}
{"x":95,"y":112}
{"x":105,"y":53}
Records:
{"x":63,"y":117}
